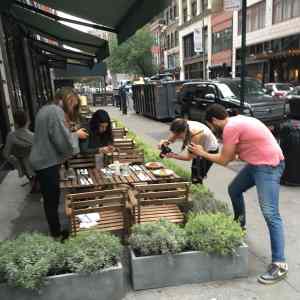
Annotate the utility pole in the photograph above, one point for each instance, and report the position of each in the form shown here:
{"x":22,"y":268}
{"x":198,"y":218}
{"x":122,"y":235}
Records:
{"x":243,"y":52}
{"x":203,"y":41}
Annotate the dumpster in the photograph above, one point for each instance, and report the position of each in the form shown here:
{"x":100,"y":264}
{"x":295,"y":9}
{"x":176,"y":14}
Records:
{"x":290,"y":144}
{"x":156,"y":99}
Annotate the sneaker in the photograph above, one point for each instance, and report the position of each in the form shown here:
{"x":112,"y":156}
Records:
{"x":275,"y":273}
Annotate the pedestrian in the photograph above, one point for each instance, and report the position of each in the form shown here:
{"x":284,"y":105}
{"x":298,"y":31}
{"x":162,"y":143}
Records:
{"x":253,"y":142}
{"x":53,"y":145}
{"x":100,"y":137}
{"x":18,"y":146}
{"x":192,"y":132}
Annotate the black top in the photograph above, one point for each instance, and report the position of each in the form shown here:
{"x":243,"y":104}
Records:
{"x":95,"y":141}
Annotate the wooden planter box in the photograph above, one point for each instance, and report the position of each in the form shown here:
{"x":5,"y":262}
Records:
{"x":158,"y":271}
{"x":102,"y":285}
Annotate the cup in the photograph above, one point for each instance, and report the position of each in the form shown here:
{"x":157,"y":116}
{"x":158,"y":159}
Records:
{"x":99,"y":161}
{"x":124,"y":168}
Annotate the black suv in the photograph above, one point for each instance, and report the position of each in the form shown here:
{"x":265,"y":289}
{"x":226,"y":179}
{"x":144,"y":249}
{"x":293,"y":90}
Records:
{"x":196,"y":96}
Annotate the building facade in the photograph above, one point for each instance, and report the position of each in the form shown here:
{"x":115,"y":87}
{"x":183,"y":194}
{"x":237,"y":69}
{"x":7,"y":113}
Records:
{"x":194,"y":16}
{"x":273,"y":40}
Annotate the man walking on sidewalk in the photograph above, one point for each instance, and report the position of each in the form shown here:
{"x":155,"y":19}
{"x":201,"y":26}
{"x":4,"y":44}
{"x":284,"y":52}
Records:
{"x":254,"y":143}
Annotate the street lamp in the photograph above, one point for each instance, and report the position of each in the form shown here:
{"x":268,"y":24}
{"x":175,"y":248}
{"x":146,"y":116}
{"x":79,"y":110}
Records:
{"x":243,"y":52}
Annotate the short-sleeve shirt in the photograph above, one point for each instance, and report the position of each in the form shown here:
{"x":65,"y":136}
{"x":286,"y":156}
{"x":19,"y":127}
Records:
{"x":210,"y":142}
{"x":256,"y":144}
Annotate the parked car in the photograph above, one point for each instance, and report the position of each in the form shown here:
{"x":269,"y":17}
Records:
{"x":196,"y":96}
{"x":294,"y":103}
{"x":278,"y":90}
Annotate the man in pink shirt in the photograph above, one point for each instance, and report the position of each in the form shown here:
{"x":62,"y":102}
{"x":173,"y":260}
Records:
{"x":253,"y":142}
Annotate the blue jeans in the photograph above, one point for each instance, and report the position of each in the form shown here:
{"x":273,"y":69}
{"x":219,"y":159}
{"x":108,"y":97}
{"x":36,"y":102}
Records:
{"x":267,"y":182}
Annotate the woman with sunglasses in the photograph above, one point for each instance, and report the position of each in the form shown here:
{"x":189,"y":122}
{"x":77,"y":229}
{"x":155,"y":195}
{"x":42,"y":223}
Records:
{"x":53,"y":144}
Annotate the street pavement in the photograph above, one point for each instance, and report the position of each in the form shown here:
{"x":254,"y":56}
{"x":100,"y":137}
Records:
{"x":21,"y":212}
{"x":151,"y":132}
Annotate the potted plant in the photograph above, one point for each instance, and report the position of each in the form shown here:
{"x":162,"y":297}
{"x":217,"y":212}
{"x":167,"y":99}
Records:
{"x":210,"y":247}
{"x":34,"y":266}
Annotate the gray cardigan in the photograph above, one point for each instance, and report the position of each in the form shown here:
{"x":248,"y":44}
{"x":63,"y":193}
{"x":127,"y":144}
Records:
{"x":17,"y":149}
{"x":53,"y":142}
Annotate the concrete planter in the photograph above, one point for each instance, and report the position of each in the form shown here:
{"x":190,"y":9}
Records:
{"x":102,"y":285}
{"x":158,"y":271}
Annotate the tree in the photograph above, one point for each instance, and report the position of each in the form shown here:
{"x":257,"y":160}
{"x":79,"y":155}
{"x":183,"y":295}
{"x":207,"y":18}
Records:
{"x":133,"y":56}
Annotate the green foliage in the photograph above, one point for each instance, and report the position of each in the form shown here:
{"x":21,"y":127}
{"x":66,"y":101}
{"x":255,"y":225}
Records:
{"x":88,"y":253}
{"x":202,"y":200}
{"x":26,"y":261}
{"x":156,"y":238}
{"x":213,"y":233}
{"x":133,"y":56}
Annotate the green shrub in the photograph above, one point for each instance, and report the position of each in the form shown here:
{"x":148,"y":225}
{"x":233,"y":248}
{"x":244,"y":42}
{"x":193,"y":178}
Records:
{"x":26,"y":261}
{"x":156,"y":238}
{"x":213,"y":233}
{"x":91,"y":252}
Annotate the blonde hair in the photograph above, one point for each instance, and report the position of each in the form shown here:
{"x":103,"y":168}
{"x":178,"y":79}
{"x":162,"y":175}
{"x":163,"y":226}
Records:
{"x":64,"y":94}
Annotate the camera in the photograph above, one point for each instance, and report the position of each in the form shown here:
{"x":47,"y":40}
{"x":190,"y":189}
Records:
{"x":164,"y":150}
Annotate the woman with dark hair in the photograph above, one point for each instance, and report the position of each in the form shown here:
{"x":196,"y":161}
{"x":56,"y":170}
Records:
{"x":191,"y":132}
{"x":100,"y":134}
{"x":53,"y":144}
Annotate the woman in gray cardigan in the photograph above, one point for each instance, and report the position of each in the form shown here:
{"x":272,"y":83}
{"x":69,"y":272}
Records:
{"x":54,"y":144}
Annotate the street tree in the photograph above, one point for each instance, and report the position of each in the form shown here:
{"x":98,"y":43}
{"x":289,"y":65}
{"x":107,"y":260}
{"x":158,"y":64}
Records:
{"x":133,"y":56}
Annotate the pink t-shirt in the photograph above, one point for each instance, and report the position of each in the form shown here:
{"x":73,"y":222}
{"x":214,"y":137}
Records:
{"x":255,"y":143}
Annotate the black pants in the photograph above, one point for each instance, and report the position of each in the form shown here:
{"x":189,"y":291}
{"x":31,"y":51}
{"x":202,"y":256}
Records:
{"x":200,"y":168}
{"x":49,"y":184}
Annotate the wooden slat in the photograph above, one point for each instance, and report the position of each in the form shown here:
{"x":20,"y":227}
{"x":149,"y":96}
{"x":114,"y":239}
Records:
{"x":162,"y":194}
{"x":162,"y":186}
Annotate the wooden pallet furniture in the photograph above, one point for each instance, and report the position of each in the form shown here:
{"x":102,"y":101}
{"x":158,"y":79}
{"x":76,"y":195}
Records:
{"x":110,"y":204}
{"x":82,"y":161}
{"x":119,"y":133}
{"x":130,"y":156}
{"x":156,"y":201}
{"x":124,"y":144}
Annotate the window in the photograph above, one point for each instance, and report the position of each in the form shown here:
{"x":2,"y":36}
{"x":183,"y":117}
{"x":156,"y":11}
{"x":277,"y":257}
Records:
{"x":194,"y":8}
{"x":176,"y":39}
{"x":188,"y":42}
{"x":185,"y":15}
{"x":256,"y":17}
{"x":222,"y":40}
{"x":175,"y":11}
{"x":172,"y":40}
{"x":285,"y":9}
{"x":173,"y":61}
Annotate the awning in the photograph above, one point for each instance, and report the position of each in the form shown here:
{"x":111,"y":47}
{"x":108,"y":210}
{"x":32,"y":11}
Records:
{"x":5,"y":4}
{"x":73,"y":72}
{"x":45,"y":26}
{"x":58,"y":51}
{"x":125,"y":16}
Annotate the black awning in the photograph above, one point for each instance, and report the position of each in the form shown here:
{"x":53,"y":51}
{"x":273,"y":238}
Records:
{"x":73,"y":71}
{"x":39,"y":24}
{"x":125,"y":16}
{"x":5,"y":4}
{"x":62,"y":52}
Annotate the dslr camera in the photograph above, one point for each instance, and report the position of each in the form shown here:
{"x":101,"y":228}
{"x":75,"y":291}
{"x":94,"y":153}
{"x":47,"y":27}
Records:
{"x":164,"y":150}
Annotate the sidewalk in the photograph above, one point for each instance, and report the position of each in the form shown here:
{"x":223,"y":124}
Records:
{"x":151,"y":132}
{"x":21,"y":212}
